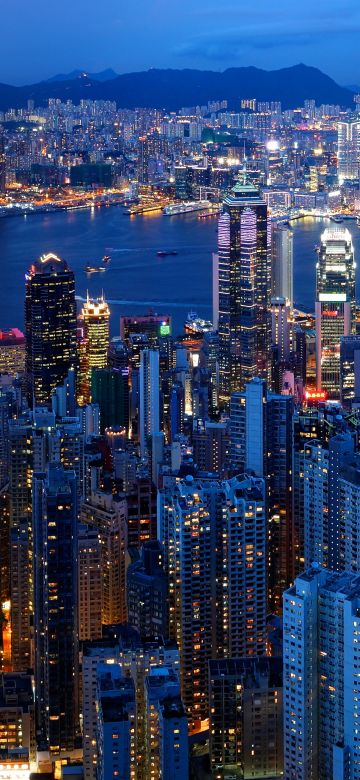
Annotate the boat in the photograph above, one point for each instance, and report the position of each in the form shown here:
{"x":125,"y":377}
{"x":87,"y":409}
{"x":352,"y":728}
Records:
{"x":185,"y":208}
{"x":92,"y":269}
{"x":106,"y":259}
{"x":337,"y":218}
{"x":162,"y":253}
{"x":196,"y":325}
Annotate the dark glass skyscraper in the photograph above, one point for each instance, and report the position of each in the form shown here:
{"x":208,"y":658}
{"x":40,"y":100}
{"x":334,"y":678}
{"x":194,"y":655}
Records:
{"x":50,"y":320}
{"x":55,"y":591}
{"x":243,"y":290}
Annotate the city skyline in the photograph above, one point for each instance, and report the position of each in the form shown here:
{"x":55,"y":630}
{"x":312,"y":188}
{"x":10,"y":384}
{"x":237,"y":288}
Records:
{"x":205,"y":36}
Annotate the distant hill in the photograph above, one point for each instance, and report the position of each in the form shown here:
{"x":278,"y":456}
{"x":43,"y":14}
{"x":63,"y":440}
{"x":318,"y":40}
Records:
{"x":172,"y":89}
{"x":103,"y":75}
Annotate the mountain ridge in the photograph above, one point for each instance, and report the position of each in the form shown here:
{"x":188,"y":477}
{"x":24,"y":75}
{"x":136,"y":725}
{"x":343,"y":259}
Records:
{"x":172,"y":89}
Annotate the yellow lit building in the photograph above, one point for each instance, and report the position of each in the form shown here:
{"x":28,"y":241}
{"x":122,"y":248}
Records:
{"x":95,"y":316}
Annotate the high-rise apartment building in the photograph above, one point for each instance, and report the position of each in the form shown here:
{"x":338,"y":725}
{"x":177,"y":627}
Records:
{"x":116,"y":733}
{"x":243,"y":289}
{"x":166,"y":729}
{"x":321,"y":685}
{"x":50,"y":326}
{"x":246,"y":720}
{"x":55,"y":606}
{"x":147,"y":588}
{"x":348,"y":150}
{"x":335,"y":305}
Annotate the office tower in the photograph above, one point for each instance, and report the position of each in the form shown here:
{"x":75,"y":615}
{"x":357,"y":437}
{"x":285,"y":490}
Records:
{"x":167,"y":752}
{"x":280,"y":330}
{"x":95,"y":316}
{"x":215,"y":540}
{"x":90,"y":604}
{"x":118,"y":353}
{"x":154,"y":326}
{"x":146,"y":586}
{"x":17,"y":715}
{"x":63,"y":400}
{"x":110,"y":390}
{"x":282,"y":263}
{"x":334,"y":306}
{"x":176,"y":413}
{"x":349,"y":370}
{"x":210,"y":446}
{"x":244,"y":290}
{"x":209,"y":354}
{"x":55,"y":606}
{"x":116,"y":736}
{"x":348,"y":150}
{"x":149,"y":411}
{"x":246,"y":720}
{"x":50,"y":326}
{"x":12,"y":352}
{"x":107,"y":514}
{"x":82,"y":374}
{"x":2,"y":165}
{"x":261,"y":443}
{"x":320,"y":676}
{"x":20,"y":476}
{"x":322,"y":514}
{"x":143,"y":160}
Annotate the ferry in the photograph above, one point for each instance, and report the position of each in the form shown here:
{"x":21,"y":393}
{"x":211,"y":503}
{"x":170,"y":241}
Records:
{"x":106,"y":259}
{"x":185,"y":208}
{"x":196,"y":325}
{"x":92,"y":269}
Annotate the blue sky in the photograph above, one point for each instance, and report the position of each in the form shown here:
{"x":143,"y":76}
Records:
{"x":42,"y":37}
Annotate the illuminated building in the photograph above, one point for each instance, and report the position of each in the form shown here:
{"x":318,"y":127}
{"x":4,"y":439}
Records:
{"x":151,"y":325}
{"x":12,"y":352}
{"x":143,"y":160}
{"x":95,"y":316}
{"x":149,"y":412}
{"x":280,"y":330}
{"x":116,"y":734}
{"x":321,"y":685}
{"x":216,"y":589}
{"x":244,"y":290}
{"x":335,"y":305}
{"x":141,"y":504}
{"x":6,"y":413}
{"x":107,"y":514}
{"x":261,"y":444}
{"x":50,"y":326}
{"x":55,"y":606}
{"x":20,"y":476}
{"x":282,"y":263}
{"x":166,"y":731}
{"x":146,"y":586}
{"x":90,"y":611}
{"x":348,"y":150}
{"x":210,"y":446}
{"x":110,"y":390}
{"x":246,"y":728}
{"x":17,"y":715}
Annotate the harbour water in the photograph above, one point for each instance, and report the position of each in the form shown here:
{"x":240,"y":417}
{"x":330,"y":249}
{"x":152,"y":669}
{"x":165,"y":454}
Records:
{"x":136,"y":279}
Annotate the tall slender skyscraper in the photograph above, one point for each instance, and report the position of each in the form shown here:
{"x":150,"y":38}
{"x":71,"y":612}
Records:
{"x":149,"y":396}
{"x":244,"y":290}
{"x":335,"y":305}
{"x":95,"y":316}
{"x":50,"y":319}
{"x":348,"y":150}
{"x":55,"y":589}
{"x":282,"y":263}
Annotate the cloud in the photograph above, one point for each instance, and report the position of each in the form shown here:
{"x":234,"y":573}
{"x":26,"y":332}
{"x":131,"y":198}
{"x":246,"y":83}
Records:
{"x":226,"y":45}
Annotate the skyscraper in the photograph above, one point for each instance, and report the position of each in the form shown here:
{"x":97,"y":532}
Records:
{"x":95,"y":316}
{"x":348,"y":150}
{"x":282,"y":263}
{"x":149,"y":396}
{"x":335,"y":305}
{"x":55,"y":602}
{"x":50,"y":322}
{"x":244,"y":290}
